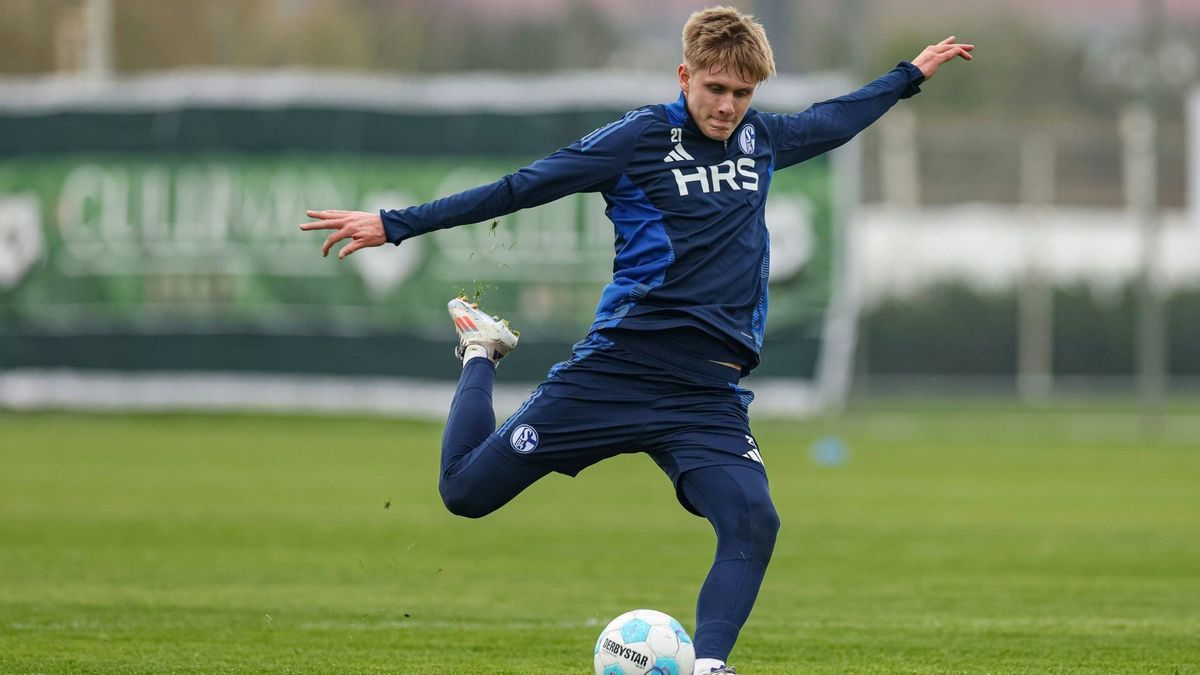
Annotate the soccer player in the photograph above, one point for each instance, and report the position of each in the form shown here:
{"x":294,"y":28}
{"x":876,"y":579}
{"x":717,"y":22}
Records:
{"x":683,"y":319}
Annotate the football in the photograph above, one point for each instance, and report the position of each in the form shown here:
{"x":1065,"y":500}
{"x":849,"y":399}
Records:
{"x":644,"y":642}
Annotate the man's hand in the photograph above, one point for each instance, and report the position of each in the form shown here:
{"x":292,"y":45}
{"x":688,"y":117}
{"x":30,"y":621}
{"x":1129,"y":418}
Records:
{"x":362,"y":228}
{"x":935,"y":55}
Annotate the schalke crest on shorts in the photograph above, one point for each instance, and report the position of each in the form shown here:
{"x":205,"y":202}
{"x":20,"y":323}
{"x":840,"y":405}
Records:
{"x":746,"y":139}
{"x":524,"y":439}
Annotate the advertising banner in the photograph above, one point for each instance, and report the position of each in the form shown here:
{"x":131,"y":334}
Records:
{"x":210,"y":244}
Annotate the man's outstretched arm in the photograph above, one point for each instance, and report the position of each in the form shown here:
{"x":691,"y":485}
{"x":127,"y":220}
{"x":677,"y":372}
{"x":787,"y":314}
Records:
{"x":587,"y":165}
{"x":829,"y":124}
{"x":565,"y":172}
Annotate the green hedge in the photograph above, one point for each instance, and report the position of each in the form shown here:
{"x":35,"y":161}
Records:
{"x":954,"y":329}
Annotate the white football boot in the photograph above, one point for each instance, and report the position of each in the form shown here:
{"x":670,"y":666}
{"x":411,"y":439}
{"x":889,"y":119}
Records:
{"x":478,"y":333}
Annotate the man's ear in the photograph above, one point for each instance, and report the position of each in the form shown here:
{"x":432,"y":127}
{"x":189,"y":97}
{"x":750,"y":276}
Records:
{"x":685,"y":76}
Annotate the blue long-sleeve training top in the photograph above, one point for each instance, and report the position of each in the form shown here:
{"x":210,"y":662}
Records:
{"x":692,"y":248}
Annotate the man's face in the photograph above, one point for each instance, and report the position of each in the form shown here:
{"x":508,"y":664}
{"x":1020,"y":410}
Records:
{"x":717,"y":98}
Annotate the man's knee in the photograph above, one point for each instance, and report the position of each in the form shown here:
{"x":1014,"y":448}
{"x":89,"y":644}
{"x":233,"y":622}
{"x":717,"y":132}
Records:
{"x":484,"y":481}
{"x":463,"y":501}
{"x":761,"y":523}
{"x":747,"y":529}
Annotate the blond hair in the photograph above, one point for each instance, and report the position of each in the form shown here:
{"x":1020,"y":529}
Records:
{"x":723,"y":37}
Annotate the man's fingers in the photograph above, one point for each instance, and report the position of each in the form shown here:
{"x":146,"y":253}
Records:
{"x":933,"y":56}
{"x":955,"y":53}
{"x":320,"y":225}
{"x":350,"y":248}
{"x":945,"y":53}
{"x":327,"y":220}
{"x":333,"y":239}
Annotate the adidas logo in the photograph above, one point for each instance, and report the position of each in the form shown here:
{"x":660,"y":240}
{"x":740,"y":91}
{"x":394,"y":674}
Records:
{"x":753,"y":454}
{"x":678,"y":154}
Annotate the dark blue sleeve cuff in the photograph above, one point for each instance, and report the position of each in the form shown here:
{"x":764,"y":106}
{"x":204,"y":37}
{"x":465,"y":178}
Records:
{"x":393,"y":227}
{"x":915,"y":78}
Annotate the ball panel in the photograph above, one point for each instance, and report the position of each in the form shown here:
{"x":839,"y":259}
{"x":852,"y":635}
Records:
{"x":635,"y":631}
{"x":662,"y":640}
{"x":666,"y":665}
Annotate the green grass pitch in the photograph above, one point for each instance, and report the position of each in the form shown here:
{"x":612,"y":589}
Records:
{"x":952,"y":540}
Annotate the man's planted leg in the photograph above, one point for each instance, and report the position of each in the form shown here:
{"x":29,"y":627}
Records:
{"x":735,"y":499}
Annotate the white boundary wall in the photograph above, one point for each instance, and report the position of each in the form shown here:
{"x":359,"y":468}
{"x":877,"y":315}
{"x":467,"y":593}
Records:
{"x":459,"y":93}
{"x":903,"y":250}
{"x":112,"y":391}
{"x":1193,"y":166}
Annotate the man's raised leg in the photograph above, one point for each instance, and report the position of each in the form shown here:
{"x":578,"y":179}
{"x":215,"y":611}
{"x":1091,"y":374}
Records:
{"x":477,"y":479}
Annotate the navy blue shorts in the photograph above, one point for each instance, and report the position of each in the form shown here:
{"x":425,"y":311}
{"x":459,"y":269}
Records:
{"x":612,"y":398}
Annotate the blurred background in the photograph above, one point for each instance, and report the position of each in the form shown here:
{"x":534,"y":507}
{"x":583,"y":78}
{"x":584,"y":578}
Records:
{"x":1025,"y":228}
